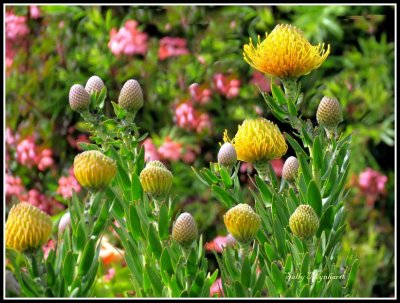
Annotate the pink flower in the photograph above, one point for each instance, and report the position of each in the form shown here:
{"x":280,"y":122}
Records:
{"x":227,"y":86}
{"x":201,"y":94}
{"x":128,"y":40}
{"x":216,"y":288}
{"x":34,"y":11}
{"x":187,"y":117}
{"x":14,"y":186}
{"x":10,"y":138}
{"x":66,"y":186}
{"x":260,"y":80}
{"x":50,"y":245}
{"x":372,"y":184}
{"x":45,"y":159}
{"x":43,"y":202}
{"x":110,"y":274}
{"x":170,"y":150}
{"x":246,"y":168}
{"x":204,"y":124}
{"x":190,"y":154}
{"x":220,"y":242}
{"x":16,"y":27}
{"x":277,"y":165}
{"x":170,"y":47}
{"x":26,"y":152}
{"x":150,"y":150}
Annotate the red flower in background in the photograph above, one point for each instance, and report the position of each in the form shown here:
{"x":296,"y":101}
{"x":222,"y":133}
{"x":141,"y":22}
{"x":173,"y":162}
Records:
{"x":372,"y":184}
{"x":171,"y":47}
{"x":227,"y":86}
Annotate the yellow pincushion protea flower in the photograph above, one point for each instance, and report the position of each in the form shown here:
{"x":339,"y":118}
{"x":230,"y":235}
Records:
{"x":285,"y":53}
{"x":27,"y":227}
{"x":156,"y":179}
{"x":94,"y":170}
{"x":258,"y":140}
{"x":242,"y":222}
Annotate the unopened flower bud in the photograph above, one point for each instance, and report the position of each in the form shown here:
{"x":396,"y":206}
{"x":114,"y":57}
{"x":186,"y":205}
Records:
{"x":94,"y":85}
{"x":329,"y":113}
{"x":27,"y":227}
{"x":227,"y":156}
{"x":156,"y":179}
{"x":94,"y":170}
{"x":184,"y":230}
{"x":290,"y":168}
{"x":79,"y":98}
{"x":242,"y":223}
{"x":304,"y":221}
{"x":64,"y":222}
{"x":131,"y":96}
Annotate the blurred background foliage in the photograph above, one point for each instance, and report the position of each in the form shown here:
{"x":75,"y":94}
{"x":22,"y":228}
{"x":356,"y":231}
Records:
{"x":68,"y":44}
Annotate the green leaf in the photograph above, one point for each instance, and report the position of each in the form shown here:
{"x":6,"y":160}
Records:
{"x":88,"y":146}
{"x":226,"y":178}
{"x":314,"y":197}
{"x":155,"y":280}
{"x":305,"y":292}
{"x":297,"y":148}
{"x":259,"y":285}
{"x":276,"y":110}
{"x":278,"y":279}
{"x":79,"y":236}
{"x":87,"y":256}
{"x":305,"y":169}
{"x":68,"y":268}
{"x":134,"y":223}
{"x":278,"y":94}
{"x":269,"y":250}
{"x":223,"y":196}
{"x":239,"y":290}
{"x":326,"y":222}
{"x":166,"y":264}
{"x":305,"y":265}
{"x":154,"y":242}
{"x":271,"y":288}
{"x":118,"y":110}
{"x":245,"y":276}
{"x":317,"y":154}
{"x":209,"y":175}
{"x":263,"y":188}
{"x":136,"y":188}
{"x":352,"y":275}
{"x":163,"y":222}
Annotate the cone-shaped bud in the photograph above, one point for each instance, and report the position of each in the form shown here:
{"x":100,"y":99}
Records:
{"x":242,"y":223}
{"x":329,"y":113}
{"x":227,"y":156}
{"x":184,"y":230}
{"x":131,"y":96}
{"x":64,"y":222}
{"x":290,"y":168}
{"x":156,"y":179}
{"x":94,"y":85}
{"x":27,"y":227}
{"x":94,"y":170}
{"x":304,"y":221}
{"x":79,"y":98}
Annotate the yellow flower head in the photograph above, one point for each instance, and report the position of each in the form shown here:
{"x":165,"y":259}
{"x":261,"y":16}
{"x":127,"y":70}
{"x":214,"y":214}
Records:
{"x":285,"y":53}
{"x":242,"y":222}
{"x":156,"y":179}
{"x":27,"y":227}
{"x":94,"y":170}
{"x":258,"y":140}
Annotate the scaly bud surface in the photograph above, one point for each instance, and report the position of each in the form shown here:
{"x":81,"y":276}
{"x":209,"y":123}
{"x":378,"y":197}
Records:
{"x":94,"y":85}
{"x":329,"y":113}
{"x":304,"y":221}
{"x":184,"y":230}
{"x":227,"y":156}
{"x":290,"y":168}
{"x":131,"y":96}
{"x":156,"y":179}
{"x":79,"y":98}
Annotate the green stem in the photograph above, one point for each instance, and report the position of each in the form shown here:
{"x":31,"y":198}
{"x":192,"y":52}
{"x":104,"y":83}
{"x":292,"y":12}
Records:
{"x":290,"y":87}
{"x":262,"y":170}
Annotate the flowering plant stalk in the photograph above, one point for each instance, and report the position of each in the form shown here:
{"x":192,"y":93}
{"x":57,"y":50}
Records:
{"x":295,"y":252}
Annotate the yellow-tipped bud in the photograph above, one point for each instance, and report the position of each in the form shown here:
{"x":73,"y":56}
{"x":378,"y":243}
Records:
{"x":184,"y":230}
{"x":242,"y":223}
{"x":304,"y":221}
{"x":227,"y":155}
{"x":94,"y":170}
{"x":131,"y":96}
{"x":329,"y":113}
{"x":156,"y":179}
{"x":27,"y":227}
{"x":79,"y":98}
{"x":94,"y":85}
{"x":290,"y":168}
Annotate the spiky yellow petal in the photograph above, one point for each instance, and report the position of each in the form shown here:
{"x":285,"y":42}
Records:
{"x":258,"y":140}
{"x":27,"y":227}
{"x":285,"y":53}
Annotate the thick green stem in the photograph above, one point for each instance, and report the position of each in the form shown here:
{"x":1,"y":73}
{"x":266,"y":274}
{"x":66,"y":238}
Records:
{"x":262,"y":170}
{"x":290,"y":87}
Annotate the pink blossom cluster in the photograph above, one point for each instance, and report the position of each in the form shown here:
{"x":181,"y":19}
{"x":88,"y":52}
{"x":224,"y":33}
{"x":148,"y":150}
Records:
{"x":260,"y":80}
{"x":14,"y":186}
{"x":68,"y":184}
{"x":30,"y":155}
{"x":187,"y":117}
{"x":34,"y":11}
{"x":200,"y":93}
{"x":16,"y":30}
{"x":169,"y":150}
{"x":372,"y":184}
{"x":216,"y":288}
{"x":129,"y":40}
{"x":227,"y":86}
{"x":172,"y":47}
{"x":220,"y":242}
{"x":43,"y":202}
